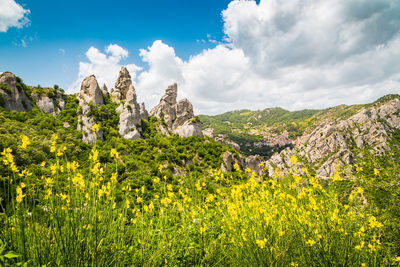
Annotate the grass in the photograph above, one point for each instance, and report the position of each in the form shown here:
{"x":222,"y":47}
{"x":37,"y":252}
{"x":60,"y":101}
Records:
{"x":69,"y":217}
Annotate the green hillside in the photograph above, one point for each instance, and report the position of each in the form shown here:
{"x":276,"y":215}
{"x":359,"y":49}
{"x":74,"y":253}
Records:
{"x":243,"y":126}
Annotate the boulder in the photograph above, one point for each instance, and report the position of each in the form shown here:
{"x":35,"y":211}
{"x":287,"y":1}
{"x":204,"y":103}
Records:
{"x":209,"y":132}
{"x":188,"y":128}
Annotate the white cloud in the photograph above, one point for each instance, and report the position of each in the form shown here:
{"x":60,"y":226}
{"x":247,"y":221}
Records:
{"x":105,"y":66}
{"x":295,"y":54}
{"x":12,"y":15}
{"x":165,"y":68}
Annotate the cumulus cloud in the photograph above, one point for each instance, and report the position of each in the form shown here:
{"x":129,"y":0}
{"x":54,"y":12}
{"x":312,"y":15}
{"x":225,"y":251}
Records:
{"x":164,"y":69}
{"x":12,"y":15}
{"x":295,"y":54}
{"x":105,"y":66}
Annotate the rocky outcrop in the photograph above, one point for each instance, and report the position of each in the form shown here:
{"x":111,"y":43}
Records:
{"x":52,"y":103}
{"x":338,"y":141}
{"x":128,"y":109}
{"x":209,"y":132}
{"x":178,"y":116}
{"x":122,"y":85}
{"x":229,"y":161}
{"x":129,"y":117}
{"x":89,"y":96}
{"x":222,"y":139}
{"x":12,"y":94}
{"x":143,"y":112}
{"x":104,"y":90}
{"x":251,"y":162}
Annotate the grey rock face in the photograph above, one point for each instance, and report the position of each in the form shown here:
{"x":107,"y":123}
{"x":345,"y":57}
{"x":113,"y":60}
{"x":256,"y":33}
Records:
{"x":50,"y":105}
{"x":90,"y":94}
{"x":253,"y":163}
{"x":14,"y":98}
{"x":188,"y":128}
{"x":122,"y":85}
{"x":90,"y":91}
{"x":331,"y":141}
{"x":178,"y":116}
{"x":225,"y":141}
{"x":129,"y":117}
{"x":209,"y":132}
{"x":128,"y":109}
{"x":143,"y":112}
{"x":104,"y":90}
{"x":229,"y":161}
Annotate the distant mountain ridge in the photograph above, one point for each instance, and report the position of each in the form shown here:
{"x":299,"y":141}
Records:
{"x":246,"y":126}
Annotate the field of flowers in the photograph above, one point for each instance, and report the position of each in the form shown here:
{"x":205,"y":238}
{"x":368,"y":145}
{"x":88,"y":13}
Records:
{"x":71,"y":217}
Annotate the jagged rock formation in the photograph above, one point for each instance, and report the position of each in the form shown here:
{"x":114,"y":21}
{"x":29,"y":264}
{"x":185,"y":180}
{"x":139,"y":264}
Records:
{"x":51,"y":105}
{"x":121,"y":85}
{"x":333,"y":141}
{"x":12,"y":94}
{"x":143,"y":112}
{"x":90,"y":95}
{"x":129,"y":117}
{"x":129,"y":109}
{"x":104,"y":90}
{"x":178,"y":116}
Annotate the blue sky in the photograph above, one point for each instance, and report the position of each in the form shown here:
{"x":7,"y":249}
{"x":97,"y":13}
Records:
{"x":60,"y":33}
{"x":224,"y":54}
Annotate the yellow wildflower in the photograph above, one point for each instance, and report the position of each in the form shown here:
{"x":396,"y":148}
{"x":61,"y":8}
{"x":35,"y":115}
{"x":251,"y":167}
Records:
{"x":114,"y":153}
{"x":95,"y":127}
{"x":25,"y":141}
{"x":293,"y":159}
{"x":20,"y":195}
{"x":261,"y":243}
{"x":114,"y":177}
{"x":202,"y":230}
{"x":310,"y":242}
{"x":236,"y":167}
{"x":373,"y":223}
